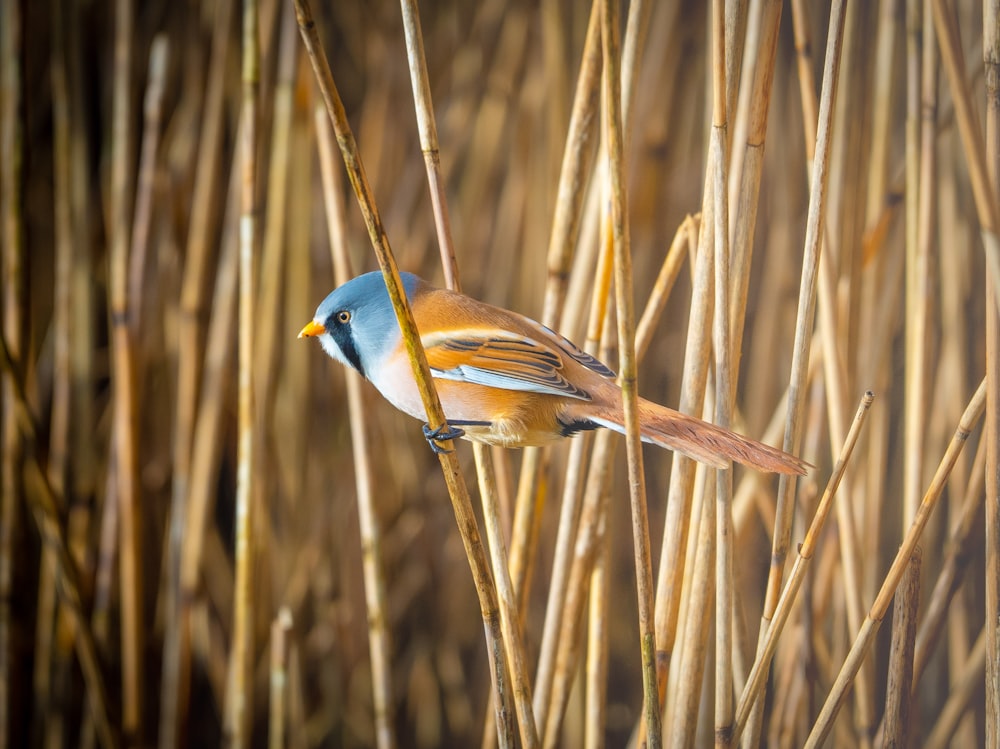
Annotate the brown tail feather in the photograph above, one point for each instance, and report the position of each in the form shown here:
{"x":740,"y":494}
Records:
{"x":704,"y":442}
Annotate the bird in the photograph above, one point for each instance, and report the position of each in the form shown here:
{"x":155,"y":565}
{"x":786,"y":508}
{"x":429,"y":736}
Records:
{"x":504,"y":379}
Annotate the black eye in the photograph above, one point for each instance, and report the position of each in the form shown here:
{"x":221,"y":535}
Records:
{"x":343,"y":317}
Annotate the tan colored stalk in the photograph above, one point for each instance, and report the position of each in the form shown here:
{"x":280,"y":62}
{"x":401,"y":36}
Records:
{"x":12,"y":327}
{"x":510,"y":620}
{"x":143,"y":216}
{"x":239,"y":713}
{"x":870,"y":626}
{"x":371,"y":532}
{"x":749,"y":172}
{"x":960,"y":696}
{"x":53,"y":637}
{"x":278,"y":693}
{"x":898,"y":700}
{"x":768,"y":645}
{"x":987,"y":209}
{"x":991,"y":58}
{"x":43,"y":504}
{"x":274,"y":237}
{"x":916,"y":270}
{"x":627,"y":377}
{"x":596,"y":669}
{"x":815,"y":223}
{"x":881,"y":96}
{"x":959,"y":556}
{"x":175,"y":668}
{"x":724,"y":380}
{"x":672,"y":568}
{"x":571,"y":529}
{"x":683,"y":711}
{"x":578,"y":160}
{"x":12,"y":331}
{"x":587,"y":543}
{"x":123,"y":361}
{"x":206,"y":448}
{"x":435,"y":417}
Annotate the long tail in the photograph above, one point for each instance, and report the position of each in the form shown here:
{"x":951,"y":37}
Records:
{"x":701,"y":441}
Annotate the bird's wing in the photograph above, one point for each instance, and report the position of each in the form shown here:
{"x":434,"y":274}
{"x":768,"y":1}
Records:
{"x":513,"y":363}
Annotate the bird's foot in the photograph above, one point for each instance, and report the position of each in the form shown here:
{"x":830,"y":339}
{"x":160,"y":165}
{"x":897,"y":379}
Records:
{"x":443,"y":433}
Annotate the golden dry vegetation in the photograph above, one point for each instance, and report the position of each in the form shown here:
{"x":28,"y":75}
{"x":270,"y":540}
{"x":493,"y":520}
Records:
{"x":209,"y":534}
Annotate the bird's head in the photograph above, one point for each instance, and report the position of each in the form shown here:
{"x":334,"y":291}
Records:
{"x":356,"y":324}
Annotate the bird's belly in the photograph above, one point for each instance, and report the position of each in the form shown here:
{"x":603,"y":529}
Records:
{"x":495,"y":416}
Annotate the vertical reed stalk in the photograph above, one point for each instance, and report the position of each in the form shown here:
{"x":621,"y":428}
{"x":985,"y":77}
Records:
{"x":507,"y":596}
{"x":991,"y":58}
{"x":724,"y":385}
{"x":756,"y":679}
{"x":12,"y":331}
{"x":904,"y":629}
{"x":240,"y":695}
{"x":175,"y":665}
{"x":916,"y":268}
{"x":278,"y":697}
{"x":807,"y":305}
{"x":595,"y":712}
{"x":627,"y":378}
{"x":435,"y":416}
{"x":123,"y":355}
{"x":43,"y":504}
{"x":870,"y":626}
{"x":371,"y":532}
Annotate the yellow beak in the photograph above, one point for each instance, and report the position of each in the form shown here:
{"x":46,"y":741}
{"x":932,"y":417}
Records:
{"x":311,"y":329}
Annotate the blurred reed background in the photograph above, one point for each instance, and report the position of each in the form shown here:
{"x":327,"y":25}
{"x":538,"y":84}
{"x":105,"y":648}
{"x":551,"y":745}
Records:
{"x":121,"y":201}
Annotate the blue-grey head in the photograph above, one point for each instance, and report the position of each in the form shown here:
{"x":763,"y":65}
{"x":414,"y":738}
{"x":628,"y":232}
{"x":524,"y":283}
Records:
{"x":356,"y":324}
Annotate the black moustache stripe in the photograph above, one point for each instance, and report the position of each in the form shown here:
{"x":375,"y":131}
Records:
{"x":343,"y":338}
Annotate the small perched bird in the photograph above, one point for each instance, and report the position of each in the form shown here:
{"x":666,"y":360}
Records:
{"x":504,"y":379}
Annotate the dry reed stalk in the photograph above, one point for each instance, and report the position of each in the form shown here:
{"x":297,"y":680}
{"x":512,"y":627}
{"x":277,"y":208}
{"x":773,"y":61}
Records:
{"x":370,"y":528}
{"x":628,"y":369}
{"x":278,"y":692}
{"x":175,"y":664}
{"x":991,"y":59}
{"x":958,"y":557}
{"x":429,"y":139}
{"x":870,"y":626}
{"x":680,"y":491}
{"x":807,"y":304}
{"x":987,"y":209}
{"x":197,"y":534}
{"x":12,"y":330}
{"x":53,"y":638}
{"x":273,"y":240}
{"x":596,"y":668}
{"x":551,"y":700}
{"x":239,"y":707}
{"x":748,"y":170}
{"x":756,"y":679}
{"x":685,"y":239}
{"x":43,"y":504}
{"x":449,"y":462}
{"x":682,"y":712}
{"x":123,"y":359}
{"x":960,"y":695}
{"x":898,"y":701}
{"x":571,"y":529}
{"x":510,"y":619}
{"x":916,"y":268}
{"x":578,"y":160}
{"x":881,"y":98}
